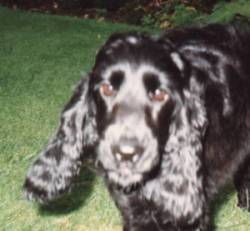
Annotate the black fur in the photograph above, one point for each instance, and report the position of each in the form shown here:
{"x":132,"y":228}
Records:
{"x":163,"y":157}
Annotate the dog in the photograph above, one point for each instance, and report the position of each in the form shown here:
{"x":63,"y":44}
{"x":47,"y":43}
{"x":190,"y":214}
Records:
{"x":166,"y":120}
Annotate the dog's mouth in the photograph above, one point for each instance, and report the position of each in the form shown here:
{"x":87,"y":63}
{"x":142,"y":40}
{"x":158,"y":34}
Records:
{"x":127,"y":162}
{"x":128,"y":179}
{"x":125,"y":182}
{"x":128,"y":174}
{"x":125,"y":177}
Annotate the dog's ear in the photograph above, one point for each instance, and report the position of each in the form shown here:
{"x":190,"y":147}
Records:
{"x":191,"y":120}
{"x":53,"y":171}
{"x":195,"y":104}
{"x":182,"y":160}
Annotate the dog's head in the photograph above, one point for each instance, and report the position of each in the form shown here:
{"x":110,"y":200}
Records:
{"x":135,"y":107}
{"x":136,"y":83}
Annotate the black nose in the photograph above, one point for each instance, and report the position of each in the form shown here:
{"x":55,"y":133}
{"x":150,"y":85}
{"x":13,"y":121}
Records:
{"x":128,"y":149}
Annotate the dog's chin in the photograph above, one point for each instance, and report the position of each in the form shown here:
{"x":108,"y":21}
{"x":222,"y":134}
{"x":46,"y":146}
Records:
{"x":126,"y":181}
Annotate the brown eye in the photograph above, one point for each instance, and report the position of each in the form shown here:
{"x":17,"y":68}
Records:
{"x":160,"y":95}
{"x":107,"y":89}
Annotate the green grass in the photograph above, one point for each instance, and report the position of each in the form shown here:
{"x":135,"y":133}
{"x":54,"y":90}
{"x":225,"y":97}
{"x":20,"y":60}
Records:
{"x":41,"y":59}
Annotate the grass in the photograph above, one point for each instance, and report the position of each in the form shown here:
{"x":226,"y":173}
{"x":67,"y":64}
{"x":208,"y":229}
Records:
{"x":41,"y":59}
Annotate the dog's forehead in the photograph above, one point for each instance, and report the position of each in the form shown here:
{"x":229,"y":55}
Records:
{"x":130,"y":69}
{"x":133,"y":71}
{"x":135,"y":55}
{"x":133,"y":46}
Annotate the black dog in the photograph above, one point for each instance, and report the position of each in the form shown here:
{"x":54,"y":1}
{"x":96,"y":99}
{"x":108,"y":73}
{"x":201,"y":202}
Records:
{"x":166,"y":120}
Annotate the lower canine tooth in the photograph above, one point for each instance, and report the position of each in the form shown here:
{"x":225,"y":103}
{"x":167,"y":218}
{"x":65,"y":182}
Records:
{"x":135,"y":158}
{"x":118,"y":156}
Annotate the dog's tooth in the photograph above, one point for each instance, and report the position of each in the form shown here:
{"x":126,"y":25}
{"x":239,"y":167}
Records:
{"x":135,"y":158}
{"x":118,"y":156}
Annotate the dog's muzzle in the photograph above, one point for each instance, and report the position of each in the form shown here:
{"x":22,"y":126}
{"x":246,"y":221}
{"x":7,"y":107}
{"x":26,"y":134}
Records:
{"x":127,"y":149}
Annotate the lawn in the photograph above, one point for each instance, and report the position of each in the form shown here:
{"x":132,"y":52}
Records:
{"x":41,"y":59}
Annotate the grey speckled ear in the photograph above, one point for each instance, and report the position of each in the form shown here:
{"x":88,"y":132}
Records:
{"x":56,"y":166}
{"x":182,"y":162}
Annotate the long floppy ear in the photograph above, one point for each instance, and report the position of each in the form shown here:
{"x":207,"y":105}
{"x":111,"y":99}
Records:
{"x":182,"y":160}
{"x":189,"y":125}
{"x":56,"y":166}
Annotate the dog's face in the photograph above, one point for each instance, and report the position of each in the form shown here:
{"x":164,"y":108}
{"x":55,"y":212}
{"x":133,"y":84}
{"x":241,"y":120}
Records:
{"x":136,"y":84}
{"x":136,"y":110}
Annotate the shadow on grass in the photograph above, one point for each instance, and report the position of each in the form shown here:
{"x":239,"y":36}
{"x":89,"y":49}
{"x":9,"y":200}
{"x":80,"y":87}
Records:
{"x":81,"y":191}
{"x":222,"y":198}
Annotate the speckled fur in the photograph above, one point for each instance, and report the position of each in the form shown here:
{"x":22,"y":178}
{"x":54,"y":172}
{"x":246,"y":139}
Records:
{"x":190,"y":145}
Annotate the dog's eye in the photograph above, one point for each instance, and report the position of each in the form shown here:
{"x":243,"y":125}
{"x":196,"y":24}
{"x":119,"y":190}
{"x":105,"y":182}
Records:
{"x":107,"y":89}
{"x":159,"y":95}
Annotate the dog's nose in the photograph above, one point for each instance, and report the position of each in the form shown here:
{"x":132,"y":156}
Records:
{"x":127,"y":149}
